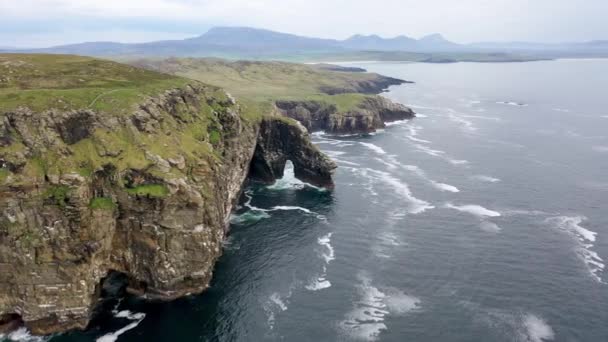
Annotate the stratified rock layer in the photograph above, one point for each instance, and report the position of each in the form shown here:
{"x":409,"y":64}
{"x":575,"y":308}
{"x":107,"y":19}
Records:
{"x":371,"y":114}
{"x":158,"y":219}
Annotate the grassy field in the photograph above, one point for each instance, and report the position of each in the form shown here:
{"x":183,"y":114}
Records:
{"x":259,"y":83}
{"x":69,"y":82}
{"x":113,"y":91}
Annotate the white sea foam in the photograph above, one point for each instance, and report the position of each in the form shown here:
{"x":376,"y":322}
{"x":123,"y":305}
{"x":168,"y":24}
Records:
{"x":416,"y":205}
{"x":413,"y":134}
{"x":327,"y":253}
{"x":325,"y":241}
{"x":334,"y":153}
{"x":537,"y":330}
{"x":483,"y":178}
{"x":429,"y":151}
{"x":474,"y":209}
{"x":585,"y":239}
{"x":420,"y":115}
{"x":563,"y":110}
{"x":489,"y":227}
{"x":249,"y":217}
{"x":445,"y":187}
{"x":135,"y":319}
{"x":396,"y":123}
{"x":458,"y":161}
{"x":289,"y":181}
{"x":602,"y":149}
{"x":276,"y":303}
{"x":464,"y":123}
{"x":318,"y":284}
{"x":375,"y":148}
{"x":22,"y":335}
{"x":512,"y":103}
{"x":367,"y":319}
{"x":346,"y":162}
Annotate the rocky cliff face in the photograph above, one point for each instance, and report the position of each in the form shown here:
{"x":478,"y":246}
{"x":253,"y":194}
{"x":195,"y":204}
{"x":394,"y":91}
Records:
{"x":367,"y":117}
{"x":147,"y":194}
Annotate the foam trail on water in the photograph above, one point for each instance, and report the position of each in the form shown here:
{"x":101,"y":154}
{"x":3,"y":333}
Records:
{"x":416,"y":206}
{"x":396,"y":123}
{"x":512,"y":103}
{"x":585,"y":239}
{"x":375,"y":148}
{"x":276,"y":303}
{"x":413,"y":134}
{"x":328,"y":255}
{"x":367,"y":319}
{"x":466,"y":124}
{"x":474,"y":209}
{"x":135,"y":319}
{"x":248,"y":217}
{"x":420,"y":173}
{"x":483,"y":178}
{"x":537,"y":330}
{"x":489,"y":227}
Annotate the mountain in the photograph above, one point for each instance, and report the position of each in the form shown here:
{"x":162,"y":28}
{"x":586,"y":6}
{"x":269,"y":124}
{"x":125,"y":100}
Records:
{"x":247,"y":42}
{"x":375,"y":42}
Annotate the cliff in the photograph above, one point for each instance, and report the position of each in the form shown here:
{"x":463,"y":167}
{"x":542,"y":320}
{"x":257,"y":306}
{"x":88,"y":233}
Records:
{"x":324,"y":97}
{"x":370,"y":114}
{"x":112,"y":168}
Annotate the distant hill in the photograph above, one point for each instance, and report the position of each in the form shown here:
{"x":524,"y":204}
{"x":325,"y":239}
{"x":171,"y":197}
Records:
{"x":247,"y":42}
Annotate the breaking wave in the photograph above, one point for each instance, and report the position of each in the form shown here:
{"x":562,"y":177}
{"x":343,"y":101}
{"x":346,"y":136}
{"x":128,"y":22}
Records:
{"x":367,"y":319}
{"x":512,"y":103}
{"x":483,"y":178}
{"x":375,"y":148}
{"x":537,"y":330}
{"x":585,"y":239}
{"x":416,"y":206}
{"x":135,"y":319}
{"x":22,"y":335}
{"x":474,"y":209}
{"x":289,"y":181}
{"x":328,"y":255}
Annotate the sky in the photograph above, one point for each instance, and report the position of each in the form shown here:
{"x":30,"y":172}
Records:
{"x":41,"y":23}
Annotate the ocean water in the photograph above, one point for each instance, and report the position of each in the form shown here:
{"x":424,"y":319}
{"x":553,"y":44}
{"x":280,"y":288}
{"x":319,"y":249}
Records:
{"x":484,"y":219}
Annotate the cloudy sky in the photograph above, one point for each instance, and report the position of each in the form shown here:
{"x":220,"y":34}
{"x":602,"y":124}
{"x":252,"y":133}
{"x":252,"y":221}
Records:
{"x":38,"y":23}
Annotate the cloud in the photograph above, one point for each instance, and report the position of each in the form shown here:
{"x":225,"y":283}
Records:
{"x":463,"y":20}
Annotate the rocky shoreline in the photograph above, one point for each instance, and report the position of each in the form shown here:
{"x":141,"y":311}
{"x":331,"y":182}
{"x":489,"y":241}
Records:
{"x":61,"y":234}
{"x":146,"y":193}
{"x":370,"y":115}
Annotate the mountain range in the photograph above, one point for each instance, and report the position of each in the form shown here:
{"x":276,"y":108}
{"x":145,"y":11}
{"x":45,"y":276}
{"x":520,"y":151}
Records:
{"x":254,"y":42}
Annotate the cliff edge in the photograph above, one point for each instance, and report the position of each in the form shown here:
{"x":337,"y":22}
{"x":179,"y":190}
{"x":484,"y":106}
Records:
{"x":106,"y":167}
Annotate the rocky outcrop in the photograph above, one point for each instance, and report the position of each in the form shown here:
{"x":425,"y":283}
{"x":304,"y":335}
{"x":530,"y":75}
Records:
{"x":376,"y":85}
{"x":368,"y":116}
{"x":76,"y":203}
{"x":280,"y":141}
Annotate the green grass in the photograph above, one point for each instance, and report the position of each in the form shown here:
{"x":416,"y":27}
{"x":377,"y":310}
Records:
{"x":102,"y":203}
{"x":64,"y":82}
{"x":259,"y":81}
{"x":58,"y":193}
{"x":4,"y":173}
{"x":214,"y":137}
{"x":151,"y":190}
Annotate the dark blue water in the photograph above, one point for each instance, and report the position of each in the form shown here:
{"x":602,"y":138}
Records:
{"x":484,"y":219}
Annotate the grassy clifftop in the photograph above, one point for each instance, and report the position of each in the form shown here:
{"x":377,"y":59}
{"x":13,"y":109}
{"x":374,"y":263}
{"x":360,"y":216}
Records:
{"x":263,"y":82}
{"x":68,"y":82}
{"x":64,"y":114}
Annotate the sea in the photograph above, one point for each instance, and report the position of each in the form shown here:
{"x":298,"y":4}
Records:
{"x":485,"y":218}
